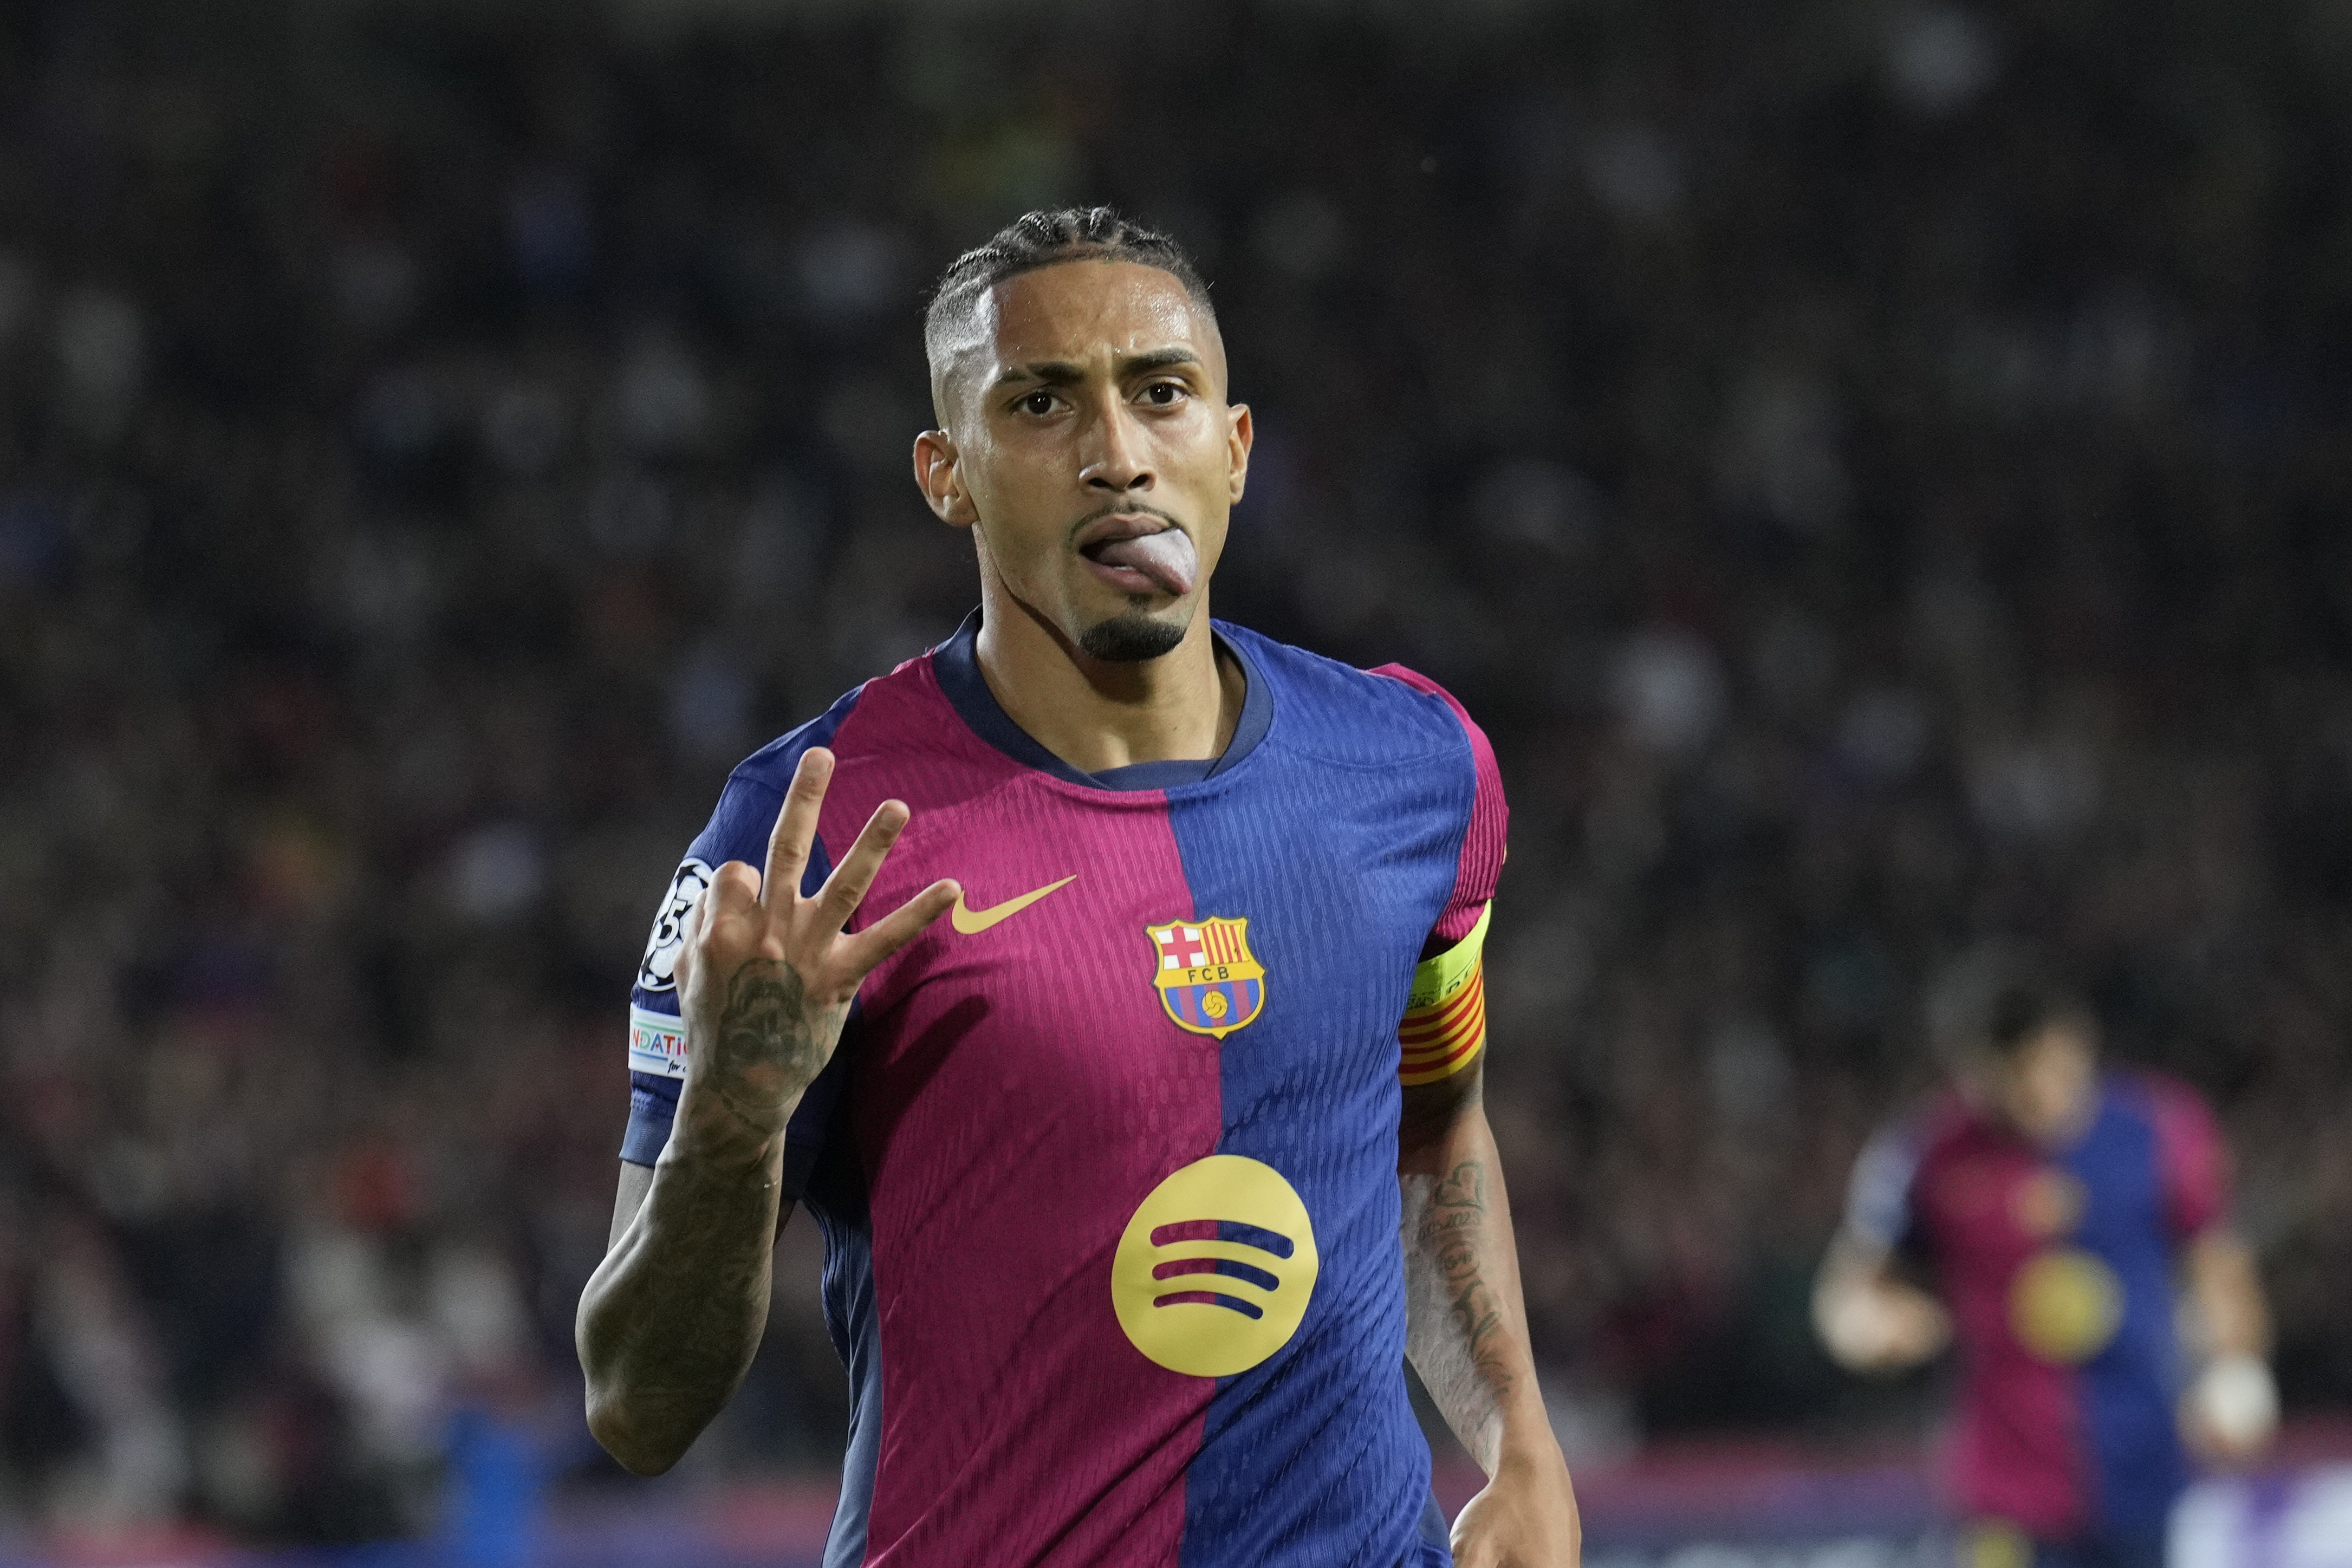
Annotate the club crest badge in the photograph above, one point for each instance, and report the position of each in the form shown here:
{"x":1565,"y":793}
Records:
{"x":1207,"y":980}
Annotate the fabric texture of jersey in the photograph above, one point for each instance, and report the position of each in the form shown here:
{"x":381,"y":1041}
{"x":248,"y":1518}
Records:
{"x":1108,"y":1183}
{"x":2057,"y":1266}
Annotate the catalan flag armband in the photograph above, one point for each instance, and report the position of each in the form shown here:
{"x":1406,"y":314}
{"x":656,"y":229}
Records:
{"x":1446,"y":1021}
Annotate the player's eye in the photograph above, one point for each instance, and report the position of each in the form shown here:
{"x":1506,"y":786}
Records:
{"x":1163,"y":394}
{"x":1039,"y":402}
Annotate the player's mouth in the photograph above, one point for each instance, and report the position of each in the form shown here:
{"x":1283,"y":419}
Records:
{"x":1140,"y":552}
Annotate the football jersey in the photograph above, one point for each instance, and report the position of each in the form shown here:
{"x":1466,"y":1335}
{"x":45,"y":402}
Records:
{"x":2057,"y":1266}
{"x":1106,"y":1164}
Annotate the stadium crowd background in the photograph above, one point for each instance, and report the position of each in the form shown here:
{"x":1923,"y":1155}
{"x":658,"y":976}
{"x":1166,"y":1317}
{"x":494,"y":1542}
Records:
{"x":1878,"y":470}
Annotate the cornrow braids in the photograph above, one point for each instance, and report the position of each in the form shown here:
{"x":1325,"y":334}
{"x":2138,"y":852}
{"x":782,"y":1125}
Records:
{"x":1042,"y":239}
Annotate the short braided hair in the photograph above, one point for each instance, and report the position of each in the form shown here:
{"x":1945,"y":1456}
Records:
{"x":1042,"y":239}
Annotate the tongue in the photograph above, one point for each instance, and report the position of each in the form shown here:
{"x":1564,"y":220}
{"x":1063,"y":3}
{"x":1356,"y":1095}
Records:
{"x":1166,"y":558}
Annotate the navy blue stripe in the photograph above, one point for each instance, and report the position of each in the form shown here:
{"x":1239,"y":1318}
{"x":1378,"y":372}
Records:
{"x":836,"y":1199}
{"x":1341,"y":844}
{"x":805,"y":1134}
{"x":1249,"y":1235}
{"x":653,"y":1107}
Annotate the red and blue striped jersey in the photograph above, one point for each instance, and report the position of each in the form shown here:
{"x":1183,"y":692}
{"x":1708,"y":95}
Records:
{"x":1106,"y":1166}
{"x":2058,"y":1267}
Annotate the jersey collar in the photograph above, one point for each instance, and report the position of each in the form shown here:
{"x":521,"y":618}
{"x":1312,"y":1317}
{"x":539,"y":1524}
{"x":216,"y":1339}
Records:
{"x":956,"y":664}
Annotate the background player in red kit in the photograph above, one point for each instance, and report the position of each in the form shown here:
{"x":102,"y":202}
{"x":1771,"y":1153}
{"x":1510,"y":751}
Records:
{"x":1113,"y":1168}
{"x":2051,"y":1208}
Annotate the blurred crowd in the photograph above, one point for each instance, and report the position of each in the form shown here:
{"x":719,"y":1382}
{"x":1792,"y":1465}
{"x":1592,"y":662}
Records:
{"x":1876,"y":467}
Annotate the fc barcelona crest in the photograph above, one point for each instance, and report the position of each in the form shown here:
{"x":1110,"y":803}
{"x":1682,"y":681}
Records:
{"x":1207,"y":980}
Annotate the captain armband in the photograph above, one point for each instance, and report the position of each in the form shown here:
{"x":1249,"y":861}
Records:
{"x":1444,"y":1023}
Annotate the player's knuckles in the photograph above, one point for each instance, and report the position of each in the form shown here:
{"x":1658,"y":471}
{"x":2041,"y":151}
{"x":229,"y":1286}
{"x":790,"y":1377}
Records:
{"x":733,"y":885}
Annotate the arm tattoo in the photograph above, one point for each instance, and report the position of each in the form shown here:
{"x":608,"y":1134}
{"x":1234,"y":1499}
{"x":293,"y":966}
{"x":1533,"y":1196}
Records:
{"x":771,"y":1043}
{"x":1452,"y":1232}
{"x":675,"y":1312}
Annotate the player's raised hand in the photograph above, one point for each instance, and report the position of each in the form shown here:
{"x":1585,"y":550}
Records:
{"x":766,"y":975}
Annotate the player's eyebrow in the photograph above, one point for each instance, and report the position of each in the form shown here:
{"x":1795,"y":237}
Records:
{"x":1158,"y":359}
{"x":1062,"y":372}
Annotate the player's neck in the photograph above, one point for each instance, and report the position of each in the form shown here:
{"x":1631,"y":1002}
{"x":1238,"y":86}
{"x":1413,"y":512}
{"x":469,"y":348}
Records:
{"x":1097,"y":714}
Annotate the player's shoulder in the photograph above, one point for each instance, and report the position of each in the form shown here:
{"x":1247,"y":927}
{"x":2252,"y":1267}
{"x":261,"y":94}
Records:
{"x":2167,"y":1103}
{"x":875,"y":716}
{"x":1376,"y":717}
{"x":769,"y":769}
{"x":1888,"y":1169}
{"x":1939,"y":1125}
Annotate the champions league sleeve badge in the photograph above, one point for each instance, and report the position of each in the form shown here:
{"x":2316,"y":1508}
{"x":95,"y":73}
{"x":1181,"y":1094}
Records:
{"x":657,"y":971}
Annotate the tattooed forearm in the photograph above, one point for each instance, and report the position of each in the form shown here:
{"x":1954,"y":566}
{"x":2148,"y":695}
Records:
{"x":1465,"y":1328}
{"x":672,"y":1318}
{"x":1456,"y":1329}
{"x":1454,"y":1233}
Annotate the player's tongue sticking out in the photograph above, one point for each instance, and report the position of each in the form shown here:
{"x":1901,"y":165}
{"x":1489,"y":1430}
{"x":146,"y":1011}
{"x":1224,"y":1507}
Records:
{"x":1167,"y":558}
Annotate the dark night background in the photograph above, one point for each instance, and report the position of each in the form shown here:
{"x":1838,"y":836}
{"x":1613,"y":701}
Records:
{"x":1878,"y":471}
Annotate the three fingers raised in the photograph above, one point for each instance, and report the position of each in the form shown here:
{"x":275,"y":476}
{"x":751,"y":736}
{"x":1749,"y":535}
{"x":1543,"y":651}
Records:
{"x":737,"y":889}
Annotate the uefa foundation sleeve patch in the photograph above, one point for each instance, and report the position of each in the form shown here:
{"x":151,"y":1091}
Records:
{"x":1444,"y":1023}
{"x":657,"y":1043}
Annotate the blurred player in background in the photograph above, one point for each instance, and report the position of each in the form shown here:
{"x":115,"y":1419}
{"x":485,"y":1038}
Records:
{"x":1113,"y":1167}
{"x":2041,"y":1213}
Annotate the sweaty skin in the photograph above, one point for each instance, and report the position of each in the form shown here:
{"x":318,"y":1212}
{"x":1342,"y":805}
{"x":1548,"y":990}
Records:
{"x":1087,"y":443}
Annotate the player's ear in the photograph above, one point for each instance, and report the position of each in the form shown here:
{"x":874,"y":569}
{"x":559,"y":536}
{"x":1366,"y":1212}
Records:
{"x":1239,"y":432}
{"x":939,"y":472}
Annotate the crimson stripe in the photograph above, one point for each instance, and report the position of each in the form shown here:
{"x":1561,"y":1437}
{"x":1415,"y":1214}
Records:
{"x":1450,"y":1050}
{"x":1438,"y":1045}
{"x":1428,"y":1070}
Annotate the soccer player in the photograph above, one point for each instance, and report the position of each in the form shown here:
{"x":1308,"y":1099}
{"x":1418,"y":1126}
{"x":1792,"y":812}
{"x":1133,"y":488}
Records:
{"x":1141,"y":1175}
{"x":2050,"y":1203}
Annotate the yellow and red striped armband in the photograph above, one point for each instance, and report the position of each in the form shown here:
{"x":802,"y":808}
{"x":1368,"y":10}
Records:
{"x":1444,"y":1023}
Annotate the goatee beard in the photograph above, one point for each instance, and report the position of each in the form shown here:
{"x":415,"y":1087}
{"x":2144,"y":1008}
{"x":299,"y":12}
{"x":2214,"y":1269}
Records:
{"x":1129,"y":638}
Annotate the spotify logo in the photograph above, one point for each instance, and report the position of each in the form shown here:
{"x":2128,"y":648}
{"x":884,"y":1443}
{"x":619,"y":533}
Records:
{"x":1214,"y":1271}
{"x":2064,"y":1305}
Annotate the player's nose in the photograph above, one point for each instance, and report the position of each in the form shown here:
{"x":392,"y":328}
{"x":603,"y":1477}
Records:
{"x":1114,"y":457}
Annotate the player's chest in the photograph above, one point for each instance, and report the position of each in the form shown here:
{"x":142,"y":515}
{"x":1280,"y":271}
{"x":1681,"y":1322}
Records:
{"x":1097,"y":952}
{"x":1995,"y":1207}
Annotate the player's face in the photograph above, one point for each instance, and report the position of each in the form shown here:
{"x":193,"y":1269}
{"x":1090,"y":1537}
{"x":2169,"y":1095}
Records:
{"x":2044,"y":1086}
{"x":1092,"y":452}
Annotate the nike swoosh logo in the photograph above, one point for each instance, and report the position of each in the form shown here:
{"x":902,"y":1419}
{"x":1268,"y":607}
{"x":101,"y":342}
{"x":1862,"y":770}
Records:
{"x":973,"y":922}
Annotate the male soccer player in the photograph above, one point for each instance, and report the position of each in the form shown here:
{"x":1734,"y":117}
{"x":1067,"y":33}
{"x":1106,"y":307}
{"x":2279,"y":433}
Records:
{"x":1140,"y":1176}
{"x":2051,"y":1204}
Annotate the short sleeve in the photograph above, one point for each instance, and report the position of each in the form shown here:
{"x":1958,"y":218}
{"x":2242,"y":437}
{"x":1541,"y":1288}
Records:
{"x":2194,"y":1161}
{"x":738,"y":830}
{"x":1480,"y":865}
{"x":1878,"y":1205}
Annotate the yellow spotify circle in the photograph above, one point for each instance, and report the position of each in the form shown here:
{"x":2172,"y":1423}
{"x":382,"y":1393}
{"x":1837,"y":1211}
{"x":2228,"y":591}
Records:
{"x":2066,"y":1305}
{"x":1998,"y":1546}
{"x":1214,"y":1272}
